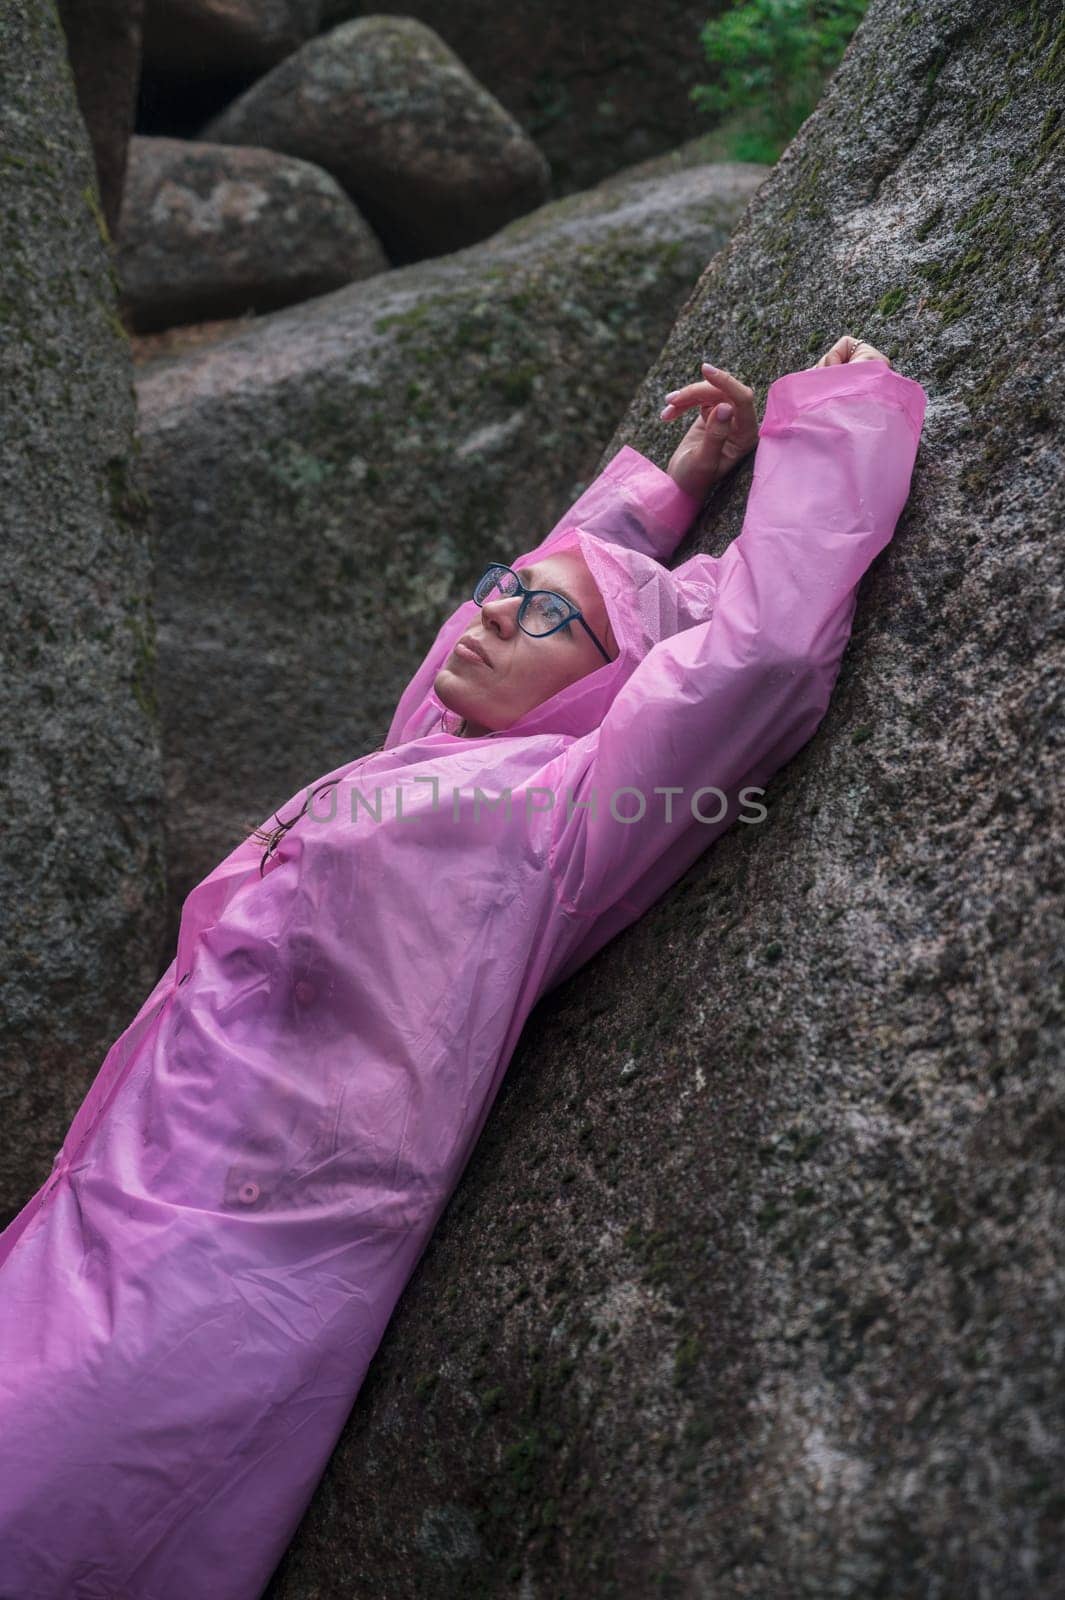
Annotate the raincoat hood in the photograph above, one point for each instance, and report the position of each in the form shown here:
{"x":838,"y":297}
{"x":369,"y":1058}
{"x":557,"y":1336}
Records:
{"x":644,"y":601}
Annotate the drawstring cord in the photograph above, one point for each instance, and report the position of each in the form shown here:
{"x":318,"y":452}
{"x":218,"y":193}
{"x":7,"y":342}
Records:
{"x":271,"y":837}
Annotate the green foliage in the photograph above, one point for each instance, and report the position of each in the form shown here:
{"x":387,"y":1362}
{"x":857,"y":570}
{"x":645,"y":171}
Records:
{"x":771,"y":60}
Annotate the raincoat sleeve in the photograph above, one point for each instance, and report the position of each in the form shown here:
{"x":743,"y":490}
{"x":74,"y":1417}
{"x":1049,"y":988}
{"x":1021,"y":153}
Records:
{"x":633,"y":502}
{"x":721,"y":705}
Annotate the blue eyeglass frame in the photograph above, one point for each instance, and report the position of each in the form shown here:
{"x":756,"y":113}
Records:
{"x":526,"y":596}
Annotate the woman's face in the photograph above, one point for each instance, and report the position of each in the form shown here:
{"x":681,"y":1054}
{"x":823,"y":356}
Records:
{"x":520,"y":671}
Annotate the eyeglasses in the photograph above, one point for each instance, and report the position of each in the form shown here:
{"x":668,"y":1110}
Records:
{"x":541,"y":611}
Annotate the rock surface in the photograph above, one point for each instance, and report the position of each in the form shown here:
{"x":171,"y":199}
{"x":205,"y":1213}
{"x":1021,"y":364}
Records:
{"x":214,"y":231}
{"x":753,"y":1286}
{"x":215,"y":38}
{"x":104,"y":50}
{"x":599,"y":86}
{"x":431,"y":159}
{"x":80,"y":791}
{"x":326,"y":480}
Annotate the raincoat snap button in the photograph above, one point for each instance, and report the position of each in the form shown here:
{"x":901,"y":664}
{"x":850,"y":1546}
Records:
{"x":249,"y":1193}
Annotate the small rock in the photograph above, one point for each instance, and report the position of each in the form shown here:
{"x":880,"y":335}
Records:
{"x":212,"y":231}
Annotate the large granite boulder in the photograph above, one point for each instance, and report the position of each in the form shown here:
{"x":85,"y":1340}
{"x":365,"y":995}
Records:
{"x":753,"y":1286}
{"x":80,"y":792}
{"x":326,"y":480}
{"x":431,"y":159}
{"x":220,"y":38}
{"x":599,"y":86}
{"x":104,"y":49}
{"x":212,"y":231}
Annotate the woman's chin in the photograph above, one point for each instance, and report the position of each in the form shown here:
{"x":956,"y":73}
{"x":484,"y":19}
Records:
{"x":454,"y":693}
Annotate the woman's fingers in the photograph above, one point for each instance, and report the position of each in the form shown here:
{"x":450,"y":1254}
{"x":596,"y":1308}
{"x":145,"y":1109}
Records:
{"x":718,"y":385}
{"x":693,"y":394}
{"x":848,"y":348}
{"x":842,"y":350}
{"x":733,"y":387}
{"x":867,"y":352}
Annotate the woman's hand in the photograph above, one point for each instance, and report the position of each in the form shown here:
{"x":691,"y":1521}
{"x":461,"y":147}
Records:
{"x":847,"y":348}
{"x":725,"y":430}
{"x":727,"y":427}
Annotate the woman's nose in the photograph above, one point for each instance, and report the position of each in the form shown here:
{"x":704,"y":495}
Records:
{"x":503,"y":611}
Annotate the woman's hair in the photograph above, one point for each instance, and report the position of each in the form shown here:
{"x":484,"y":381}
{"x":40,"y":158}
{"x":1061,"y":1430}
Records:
{"x":271,"y":837}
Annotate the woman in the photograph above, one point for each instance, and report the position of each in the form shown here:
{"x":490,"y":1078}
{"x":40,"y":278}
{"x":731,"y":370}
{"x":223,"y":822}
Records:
{"x":190,"y":1302}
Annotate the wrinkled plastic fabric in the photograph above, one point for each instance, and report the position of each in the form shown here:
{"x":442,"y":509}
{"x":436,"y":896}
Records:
{"x":190,"y":1302}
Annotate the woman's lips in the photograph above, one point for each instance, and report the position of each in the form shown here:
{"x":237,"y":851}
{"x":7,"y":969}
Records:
{"x":471,"y":651}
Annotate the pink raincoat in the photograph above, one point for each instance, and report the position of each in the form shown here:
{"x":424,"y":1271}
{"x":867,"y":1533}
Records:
{"x":190,"y":1302}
